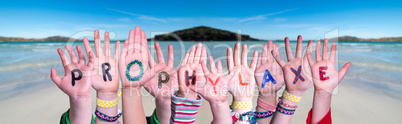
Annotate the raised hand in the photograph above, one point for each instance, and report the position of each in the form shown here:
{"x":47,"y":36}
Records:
{"x":105,"y":75}
{"x":268,"y":73}
{"x":190,"y":72}
{"x":164,"y":83}
{"x":133,"y":63}
{"x":296,"y":70}
{"x":76,"y":83}
{"x":215,"y":89}
{"x":325,"y":76}
{"x":242,"y":83}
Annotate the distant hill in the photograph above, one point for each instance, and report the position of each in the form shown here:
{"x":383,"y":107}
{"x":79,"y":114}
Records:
{"x":203,"y":33}
{"x":20,"y":39}
{"x":352,"y":38}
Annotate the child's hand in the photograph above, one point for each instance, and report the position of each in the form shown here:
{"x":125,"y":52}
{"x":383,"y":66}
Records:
{"x":242,"y":83}
{"x":105,"y":75}
{"x":76,"y":82}
{"x":190,"y":72}
{"x":133,"y":63}
{"x":164,"y":83}
{"x":297,"y":71}
{"x":215,"y":89}
{"x":268,"y":74}
{"x":325,"y":77}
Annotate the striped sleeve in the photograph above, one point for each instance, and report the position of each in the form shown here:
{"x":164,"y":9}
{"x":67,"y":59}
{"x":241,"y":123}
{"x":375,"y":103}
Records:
{"x":184,"y":110}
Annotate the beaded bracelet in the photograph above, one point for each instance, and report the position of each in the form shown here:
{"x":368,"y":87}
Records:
{"x":107,"y":118}
{"x":262,"y":115}
{"x":108,"y":104}
{"x":286,"y":105}
{"x":284,"y":110}
{"x":242,"y":105}
{"x":291,"y":97}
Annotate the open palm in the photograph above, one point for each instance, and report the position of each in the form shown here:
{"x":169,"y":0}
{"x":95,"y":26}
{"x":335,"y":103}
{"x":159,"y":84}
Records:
{"x":242,"y":84}
{"x":267,"y":66}
{"x":330,"y":78}
{"x":296,"y":71}
{"x":82,"y":87}
{"x":105,"y":75}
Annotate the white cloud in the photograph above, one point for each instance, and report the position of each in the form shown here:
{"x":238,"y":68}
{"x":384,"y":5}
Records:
{"x":142,"y":17}
{"x":262,"y":17}
{"x":127,"y":20}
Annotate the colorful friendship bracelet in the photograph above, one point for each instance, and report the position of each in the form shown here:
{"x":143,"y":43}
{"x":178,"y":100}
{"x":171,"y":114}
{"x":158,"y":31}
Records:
{"x":291,"y":97}
{"x":184,"y":110}
{"x":286,"y":105}
{"x":261,"y":103}
{"x":285,"y":111}
{"x":262,"y":115}
{"x":108,"y":104}
{"x":107,"y":118}
{"x":242,"y":105}
{"x":247,"y":116}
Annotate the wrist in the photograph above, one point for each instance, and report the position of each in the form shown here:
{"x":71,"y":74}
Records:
{"x":218,"y":104}
{"x":320,"y":94}
{"x":295,"y":92}
{"x":188,"y":95}
{"x":271,"y":98}
{"x":107,"y":96}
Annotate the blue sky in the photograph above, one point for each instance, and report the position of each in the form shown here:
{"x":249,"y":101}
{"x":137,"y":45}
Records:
{"x":260,"y":19}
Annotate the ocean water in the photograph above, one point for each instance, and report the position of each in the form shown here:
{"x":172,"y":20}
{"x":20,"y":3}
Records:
{"x":24,"y":65}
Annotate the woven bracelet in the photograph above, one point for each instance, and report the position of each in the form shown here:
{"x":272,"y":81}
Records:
{"x":262,"y":115}
{"x":107,"y":118}
{"x":284,"y":110}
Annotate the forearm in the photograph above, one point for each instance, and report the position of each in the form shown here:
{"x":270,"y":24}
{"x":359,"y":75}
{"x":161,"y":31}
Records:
{"x":184,"y":110}
{"x":282,"y":118}
{"x":112,"y":111}
{"x":221,"y":112}
{"x":80,"y":110}
{"x":132,"y":106}
{"x":270,"y":99}
{"x":163,"y":110}
{"x":321,"y":105}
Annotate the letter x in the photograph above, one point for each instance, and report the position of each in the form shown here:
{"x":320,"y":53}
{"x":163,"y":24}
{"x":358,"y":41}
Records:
{"x":297,"y":73}
{"x":214,"y":84}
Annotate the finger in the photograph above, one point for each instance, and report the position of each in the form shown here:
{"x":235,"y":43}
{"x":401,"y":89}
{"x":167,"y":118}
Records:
{"x":98,"y":47}
{"x":198,"y":51}
{"x":229,"y":59}
{"x":137,"y":39}
{"x":91,"y":61}
{"x":72,"y":54}
{"x":310,"y":60}
{"x":237,"y":54}
{"x":204,"y":54}
{"x":159,"y":53}
{"x":212,"y":64}
{"x":325,"y":50}
{"x":244,"y":55}
{"x":87,"y":45}
{"x":117,"y":51}
{"x":125,"y":49}
{"x":81,"y":55}
{"x":343,"y":71}
{"x":289,"y":54}
{"x":253,"y":63}
{"x":55,"y":77}
{"x":192,"y":55}
{"x":277,"y":57}
{"x":185,"y":59}
{"x":131,"y":41}
{"x":318,"y":51}
{"x":299,"y":47}
{"x":270,"y":48}
{"x":332,"y":56}
{"x":107,"y":45}
{"x":151,"y":60}
{"x":259,"y":60}
{"x":144,"y":43}
{"x":232,"y":73}
{"x":170,"y":56}
{"x":219,"y":66}
{"x":204,"y":68}
{"x":264,"y":53}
